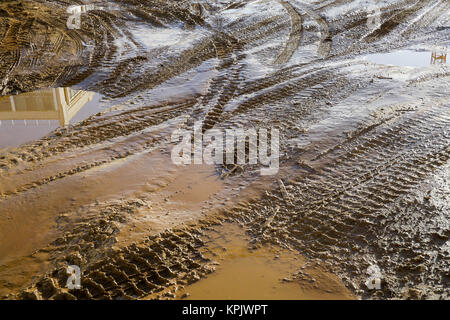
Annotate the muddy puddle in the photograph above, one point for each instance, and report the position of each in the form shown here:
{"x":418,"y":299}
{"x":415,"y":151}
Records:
{"x":163,"y":195}
{"x":409,"y":58}
{"x":30,"y":116}
{"x":174,"y":194}
{"x":265,"y":273}
{"x":363,"y":136}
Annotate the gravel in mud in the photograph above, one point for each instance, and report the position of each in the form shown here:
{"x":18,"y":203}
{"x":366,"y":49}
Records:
{"x":364,"y":147}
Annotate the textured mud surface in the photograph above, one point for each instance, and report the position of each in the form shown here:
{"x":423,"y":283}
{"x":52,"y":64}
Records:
{"x":364,"y":167}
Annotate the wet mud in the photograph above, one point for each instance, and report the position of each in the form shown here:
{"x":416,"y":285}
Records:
{"x":364,"y":149}
{"x":268,"y":273}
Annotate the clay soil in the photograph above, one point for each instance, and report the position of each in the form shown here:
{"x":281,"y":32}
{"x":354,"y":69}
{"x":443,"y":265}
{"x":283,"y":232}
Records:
{"x":364,"y":151}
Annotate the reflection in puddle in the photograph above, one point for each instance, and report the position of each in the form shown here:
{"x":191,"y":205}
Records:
{"x":409,"y":58}
{"x":439,"y":57}
{"x":32,"y":115}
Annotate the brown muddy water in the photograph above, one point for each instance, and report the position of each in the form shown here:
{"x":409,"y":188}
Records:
{"x":86,"y":175}
{"x":264,"y":273}
{"x":171,"y":194}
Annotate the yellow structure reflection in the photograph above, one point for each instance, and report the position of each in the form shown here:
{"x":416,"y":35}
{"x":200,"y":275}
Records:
{"x":50,"y":104}
{"x":439,"y":58}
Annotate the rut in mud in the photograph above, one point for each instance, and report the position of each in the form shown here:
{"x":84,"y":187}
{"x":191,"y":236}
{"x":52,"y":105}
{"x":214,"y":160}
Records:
{"x":364,"y":166}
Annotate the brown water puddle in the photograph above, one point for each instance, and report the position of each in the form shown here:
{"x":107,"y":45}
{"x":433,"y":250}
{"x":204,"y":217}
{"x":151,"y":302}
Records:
{"x":264,"y":273}
{"x":28,"y":220}
{"x":175,"y":198}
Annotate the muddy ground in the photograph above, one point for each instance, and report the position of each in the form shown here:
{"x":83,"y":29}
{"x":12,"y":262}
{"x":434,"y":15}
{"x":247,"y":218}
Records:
{"x":364,"y":147}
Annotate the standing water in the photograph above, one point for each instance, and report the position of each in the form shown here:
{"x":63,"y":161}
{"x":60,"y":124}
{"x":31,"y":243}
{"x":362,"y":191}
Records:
{"x":409,"y":58}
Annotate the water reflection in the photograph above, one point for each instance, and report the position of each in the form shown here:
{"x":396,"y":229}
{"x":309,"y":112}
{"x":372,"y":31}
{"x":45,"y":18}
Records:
{"x":50,"y":104}
{"x":410,"y":58}
{"x":439,"y":57}
{"x":32,"y":115}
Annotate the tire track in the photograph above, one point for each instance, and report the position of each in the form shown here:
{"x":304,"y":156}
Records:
{"x":324,"y":46}
{"x":428,"y":17}
{"x":350,"y":204}
{"x":393,"y":22}
{"x":169,"y":259}
{"x":94,"y":131}
{"x":229,"y":78}
{"x":294,"y":37}
{"x":339,"y":211}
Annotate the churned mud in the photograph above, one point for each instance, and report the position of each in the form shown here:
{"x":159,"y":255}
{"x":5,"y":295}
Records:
{"x":359,"y":96}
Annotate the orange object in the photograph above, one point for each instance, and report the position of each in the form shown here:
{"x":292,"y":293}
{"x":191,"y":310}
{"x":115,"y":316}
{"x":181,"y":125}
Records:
{"x":441,"y":58}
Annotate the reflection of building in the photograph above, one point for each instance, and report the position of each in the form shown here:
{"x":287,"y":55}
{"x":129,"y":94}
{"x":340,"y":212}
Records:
{"x":50,"y":104}
{"x":439,"y":58}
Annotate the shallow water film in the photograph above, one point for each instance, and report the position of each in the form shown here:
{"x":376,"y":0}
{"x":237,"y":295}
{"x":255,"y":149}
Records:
{"x":269,"y":149}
